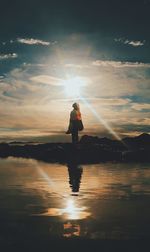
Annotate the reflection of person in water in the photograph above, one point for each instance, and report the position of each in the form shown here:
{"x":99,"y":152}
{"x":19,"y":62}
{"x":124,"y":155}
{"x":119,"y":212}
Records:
{"x":75,"y":123}
{"x":75,"y":173}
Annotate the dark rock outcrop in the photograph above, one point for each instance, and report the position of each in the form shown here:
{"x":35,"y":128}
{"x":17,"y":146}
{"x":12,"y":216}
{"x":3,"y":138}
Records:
{"x":89,"y":150}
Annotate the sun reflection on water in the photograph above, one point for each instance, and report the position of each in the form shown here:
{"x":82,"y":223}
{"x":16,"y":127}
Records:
{"x":73,"y":213}
{"x":70,"y":212}
{"x":71,"y":229}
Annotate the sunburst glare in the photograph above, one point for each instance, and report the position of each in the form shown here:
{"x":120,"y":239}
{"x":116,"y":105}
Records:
{"x":73,"y":86}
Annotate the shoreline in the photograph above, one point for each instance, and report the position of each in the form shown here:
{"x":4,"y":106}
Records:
{"x":80,"y":154}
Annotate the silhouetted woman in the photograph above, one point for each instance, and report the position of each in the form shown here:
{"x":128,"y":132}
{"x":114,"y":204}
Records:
{"x":75,"y":123}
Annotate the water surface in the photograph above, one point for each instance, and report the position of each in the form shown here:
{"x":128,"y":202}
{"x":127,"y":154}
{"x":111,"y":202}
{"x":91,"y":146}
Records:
{"x":49,"y":201}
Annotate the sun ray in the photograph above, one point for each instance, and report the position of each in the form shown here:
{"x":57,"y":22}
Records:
{"x":101,"y":120}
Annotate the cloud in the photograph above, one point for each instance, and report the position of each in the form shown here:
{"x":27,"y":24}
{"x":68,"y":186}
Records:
{"x":117,"y":64}
{"x":109,"y":101}
{"x":117,"y":79}
{"x":24,"y":89}
{"x":98,"y":101}
{"x":141,"y":121}
{"x":31,"y":41}
{"x":47,"y":79}
{"x":76,"y":66}
{"x":141,"y":106}
{"x":25,"y":100}
{"x":134,"y":43}
{"x":25,"y":64}
{"x":8,"y":56}
{"x":134,"y":120}
{"x":16,"y":87}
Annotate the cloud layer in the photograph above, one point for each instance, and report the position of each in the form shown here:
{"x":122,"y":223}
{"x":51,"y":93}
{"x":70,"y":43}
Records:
{"x":107,"y":63}
{"x":134,"y":43}
{"x":47,"y":79}
{"x":31,"y":41}
{"x":33,"y":99}
{"x":8,"y":56}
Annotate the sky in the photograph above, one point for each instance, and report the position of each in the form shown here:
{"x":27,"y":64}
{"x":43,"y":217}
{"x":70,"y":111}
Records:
{"x":46,"y":47}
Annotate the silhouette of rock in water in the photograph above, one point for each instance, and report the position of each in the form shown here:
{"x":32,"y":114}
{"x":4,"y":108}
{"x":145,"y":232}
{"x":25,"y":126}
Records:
{"x":89,"y":150}
{"x":141,"y":141}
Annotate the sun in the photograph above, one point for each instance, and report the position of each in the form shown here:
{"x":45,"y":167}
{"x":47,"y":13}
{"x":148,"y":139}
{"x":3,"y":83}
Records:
{"x":73,"y":86}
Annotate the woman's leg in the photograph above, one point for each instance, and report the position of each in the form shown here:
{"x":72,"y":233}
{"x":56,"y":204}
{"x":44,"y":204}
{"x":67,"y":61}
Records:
{"x":75,"y":136}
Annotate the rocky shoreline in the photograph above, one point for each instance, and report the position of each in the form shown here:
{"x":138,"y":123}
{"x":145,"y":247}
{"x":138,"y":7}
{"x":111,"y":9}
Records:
{"x":89,"y":150}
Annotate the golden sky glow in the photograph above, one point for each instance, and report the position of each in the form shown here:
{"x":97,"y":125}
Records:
{"x":36,"y":99}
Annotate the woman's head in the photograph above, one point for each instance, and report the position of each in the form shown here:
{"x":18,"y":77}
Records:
{"x":76,"y":106}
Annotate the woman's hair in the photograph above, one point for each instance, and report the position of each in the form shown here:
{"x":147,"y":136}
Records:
{"x":76,"y":106}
